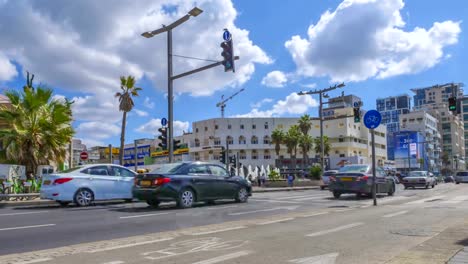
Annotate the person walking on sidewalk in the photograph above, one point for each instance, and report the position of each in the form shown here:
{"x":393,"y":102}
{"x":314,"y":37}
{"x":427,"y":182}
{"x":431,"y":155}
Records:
{"x":263,"y":179}
{"x":290,"y":180}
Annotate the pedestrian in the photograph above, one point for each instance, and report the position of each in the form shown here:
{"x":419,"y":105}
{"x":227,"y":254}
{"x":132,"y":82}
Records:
{"x":259,"y":181}
{"x":290,"y":180}
{"x":263,"y":179}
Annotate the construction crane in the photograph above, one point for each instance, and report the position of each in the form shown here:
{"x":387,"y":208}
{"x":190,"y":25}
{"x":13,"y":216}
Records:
{"x":222,"y":104}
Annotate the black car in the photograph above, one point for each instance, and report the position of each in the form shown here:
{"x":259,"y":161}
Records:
{"x":190,"y":182}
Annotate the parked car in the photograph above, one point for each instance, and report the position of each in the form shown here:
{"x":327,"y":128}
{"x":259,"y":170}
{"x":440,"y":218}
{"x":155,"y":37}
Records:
{"x":190,"y":182}
{"x":326,"y":178}
{"x":449,"y":178}
{"x":85,"y":184}
{"x":358,"y":179}
{"x":461,"y":176}
{"x":419,"y":179}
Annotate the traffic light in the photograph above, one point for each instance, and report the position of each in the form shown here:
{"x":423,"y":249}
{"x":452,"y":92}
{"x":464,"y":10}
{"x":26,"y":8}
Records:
{"x":232,"y":160}
{"x":177,"y":144}
{"x":222,"y":158}
{"x":163,"y":138}
{"x":357,"y":114}
{"x":228,"y":55}
{"x":452,"y":101}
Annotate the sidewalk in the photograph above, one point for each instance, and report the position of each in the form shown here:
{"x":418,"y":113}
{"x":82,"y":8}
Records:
{"x":40,"y":202}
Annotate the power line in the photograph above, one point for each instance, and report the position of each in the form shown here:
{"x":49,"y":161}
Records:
{"x":193,"y":58}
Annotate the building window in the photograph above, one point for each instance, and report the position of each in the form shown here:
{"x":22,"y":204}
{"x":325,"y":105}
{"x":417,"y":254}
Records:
{"x":254,"y":140}
{"x":196,"y":130}
{"x":266,"y":140}
{"x":206,"y":128}
{"x":266,"y":155}
{"x":254,"y":155}
{"x":216,"y":127}
{"x":342,"y":155}
{"x":241,"y":126}
{"x":229,"y":140}
{"x":337,"y":152}
{"x":229,"y":126}
{"x":254,"y":126}
{"x":197,"y":142}
{"x":217,"y":141}
{"x":242,"y":140}
{"x":242,"y":155}
{"x":266,"y":125}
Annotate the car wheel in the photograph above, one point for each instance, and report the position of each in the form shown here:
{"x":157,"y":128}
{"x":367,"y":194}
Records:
{"x":62,"y":203}
{"x":153,"y":203}
{"x":186,"y":198}
{"x":433,"y":185}
{"x":84,"y":197}
{"x":242,"y":195}
{"x":392,"y":191}
{"x":336,"y":194}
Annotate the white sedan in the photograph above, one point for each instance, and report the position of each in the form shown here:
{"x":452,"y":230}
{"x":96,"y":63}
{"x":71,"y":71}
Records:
{"x":85,"y":184}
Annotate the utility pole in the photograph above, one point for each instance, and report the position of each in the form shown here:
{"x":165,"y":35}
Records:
{"x":320,"y":93}
{"x":136,"y":154}
{"x":110,"y":153}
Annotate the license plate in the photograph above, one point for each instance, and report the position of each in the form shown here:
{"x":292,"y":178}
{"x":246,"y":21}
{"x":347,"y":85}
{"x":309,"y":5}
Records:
{"x":47,"y":182}
{"x":145,"y":183}
{"x":346,"y":179}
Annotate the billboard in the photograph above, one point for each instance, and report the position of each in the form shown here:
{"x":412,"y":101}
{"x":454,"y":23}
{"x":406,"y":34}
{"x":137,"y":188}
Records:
{"x":408,"y":146}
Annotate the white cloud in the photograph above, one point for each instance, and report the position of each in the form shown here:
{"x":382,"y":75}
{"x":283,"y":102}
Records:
{"x":154,"y":124}
{"x":293,"y":104}
{"x":7,"y":69}
{"x":96,"y":130}
{"x":140,"y":112}
{"x":148,"y":103}
{"x":309,"y":85}
{"x":362,"y":39}
{"x":261,"y":103}
{"x":276,"y":79}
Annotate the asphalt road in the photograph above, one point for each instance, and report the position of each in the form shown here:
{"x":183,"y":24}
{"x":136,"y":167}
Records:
{"x":287,"y":225}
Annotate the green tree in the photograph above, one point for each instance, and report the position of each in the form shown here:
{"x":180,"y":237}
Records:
{"x":38,"y":127}
{"x":318,"y":147}
{"x":277,"y":138}
{"x":305,"y":124}
{"x":306,"y":142}
{"x":126,"y":104}
{"x":291,"y":140}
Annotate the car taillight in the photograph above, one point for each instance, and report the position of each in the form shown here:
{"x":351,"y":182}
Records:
{"x":362,"y":178}
{"x":62,"y":180}
{"x":161,"y":181}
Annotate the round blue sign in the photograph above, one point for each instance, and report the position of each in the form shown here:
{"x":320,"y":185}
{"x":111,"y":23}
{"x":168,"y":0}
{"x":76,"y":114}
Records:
{"x":163,"y":121}
{"x":372,"y":119}
{"x":226,"y":35}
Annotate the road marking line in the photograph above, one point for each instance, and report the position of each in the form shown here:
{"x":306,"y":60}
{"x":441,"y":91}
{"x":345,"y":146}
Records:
{"x":276,"y":201}
{"x":455,"y":200}
{"x":115,"y":262}
{"x":342,"y":210}
{"x":312,"y":198}
{"x":335,"y":229}
{"x":314,"y":214}
{"x":262,"y":210}
{"x":395,"y":214}
{"x":217,"y":231}
{"x":129,"y":245}
{"x":144,"y":215}
{"x":426,"y":199}
{"x":222,"y":207}
{"x":24,"y":213}
{"x":225,"y":257}
{"x":25,"y":227}
{"x":276,"y":221}
{"x":34,"y":261}
{"x":298,"y":196}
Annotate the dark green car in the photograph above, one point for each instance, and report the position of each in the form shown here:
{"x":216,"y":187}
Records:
{"x":357,"y":179}
{"x":190,"y":182}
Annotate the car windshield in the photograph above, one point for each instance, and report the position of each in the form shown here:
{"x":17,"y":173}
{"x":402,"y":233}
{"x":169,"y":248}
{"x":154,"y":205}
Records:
{"x":417,"y":173}
{"x":462,"y":173}
{"x":354,"y":168}
{"x":170,"y":168}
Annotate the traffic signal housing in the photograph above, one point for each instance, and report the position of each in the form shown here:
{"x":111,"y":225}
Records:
{"x":222,"y":157}
{"x":452,"y":102}
{"x":163,"y":138}
{"x":228,"y":55}
{"x":177,"y":144}
{"x":357,"y":114}
{"x":232,"y":160}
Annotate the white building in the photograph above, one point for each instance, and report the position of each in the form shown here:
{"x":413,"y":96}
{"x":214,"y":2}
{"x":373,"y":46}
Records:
{"x":250,"y":139}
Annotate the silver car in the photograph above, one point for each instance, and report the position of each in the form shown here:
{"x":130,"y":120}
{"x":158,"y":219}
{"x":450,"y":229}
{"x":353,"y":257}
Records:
{"x":419,"y":179}
{"x":326,"y":178}
{"x":461,"y":176}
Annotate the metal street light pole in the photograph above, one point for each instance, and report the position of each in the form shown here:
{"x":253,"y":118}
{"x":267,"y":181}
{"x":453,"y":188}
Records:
{"x":320,"y":93}
{"x":170,"y":98}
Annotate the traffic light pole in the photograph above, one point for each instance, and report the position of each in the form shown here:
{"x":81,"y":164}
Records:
{"x":322,"y":149}
{"x":170,"y":98}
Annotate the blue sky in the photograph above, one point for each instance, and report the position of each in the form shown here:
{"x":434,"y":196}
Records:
{"x":378,"y":48}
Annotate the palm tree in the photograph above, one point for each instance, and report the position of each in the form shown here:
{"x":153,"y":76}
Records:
{"x":127,"y":85}
{"x":318,"y":147}
{"x":292,"y":141}
{"x":306,"y":143}
{"x":38,"y":127}
{"x":305,"y":124}
{"x":277,"y":138}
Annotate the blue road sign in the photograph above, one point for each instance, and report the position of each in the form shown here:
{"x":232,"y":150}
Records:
{"x":357,"y":104}
{"x":226,"y":35}
{"x":372,"y":119}
{"x":163,"y":121}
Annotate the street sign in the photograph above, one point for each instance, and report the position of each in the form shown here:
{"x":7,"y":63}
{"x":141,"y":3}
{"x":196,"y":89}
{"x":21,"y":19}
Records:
{"x":372,"y":119}
{"x":163,"y":121}
{"x":357,"y":104}
{"x":226,"y":35}
{"x":84,"y":155}
{"x":413,"y":148}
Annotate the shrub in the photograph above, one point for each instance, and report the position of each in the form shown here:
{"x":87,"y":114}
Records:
{"x":315,"y":172}
{"x":274,"y":176}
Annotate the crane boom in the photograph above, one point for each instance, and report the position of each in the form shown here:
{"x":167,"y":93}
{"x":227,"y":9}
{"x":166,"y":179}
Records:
{"x":222,"y":103}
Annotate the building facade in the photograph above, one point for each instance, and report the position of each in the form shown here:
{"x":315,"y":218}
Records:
{"x":391,"y":108}
{"x":434,"y":99}
{"x":463,"y":110}
{"x":143,"y":146}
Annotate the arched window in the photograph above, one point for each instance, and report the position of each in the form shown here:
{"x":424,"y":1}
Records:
{"x":266,"y":140}
{"x":242,"y":140}
{"x":242,"y":155}
{"x":254,"y":154}
{"x":254,"y":140}
{"x":266,"y":154}
{"x":229,"y":140}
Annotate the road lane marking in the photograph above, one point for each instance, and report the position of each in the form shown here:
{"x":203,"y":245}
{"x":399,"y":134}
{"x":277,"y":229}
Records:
{"x":420,"y":201}
{"x":217,"y":231}
{"x":276,"y":221}
{"x":275,"y":201}
{"x":130,"y":245}
{"x":222,"y":207}
{"x":395,"y":214}
{"x":314,"y":214}
{"x":25,"y":227}
{"x":298,"y":196}
{"x":114,"y":262}
{"x":265,"y":210}
{"x":225,"y":257}
{"x":322,"y":259}
{"x":143,"y":215}
{"x":24,"y":213}
{"x":335,"y":229}
{"x":456,"y":199}
{"x":34,"y":261}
